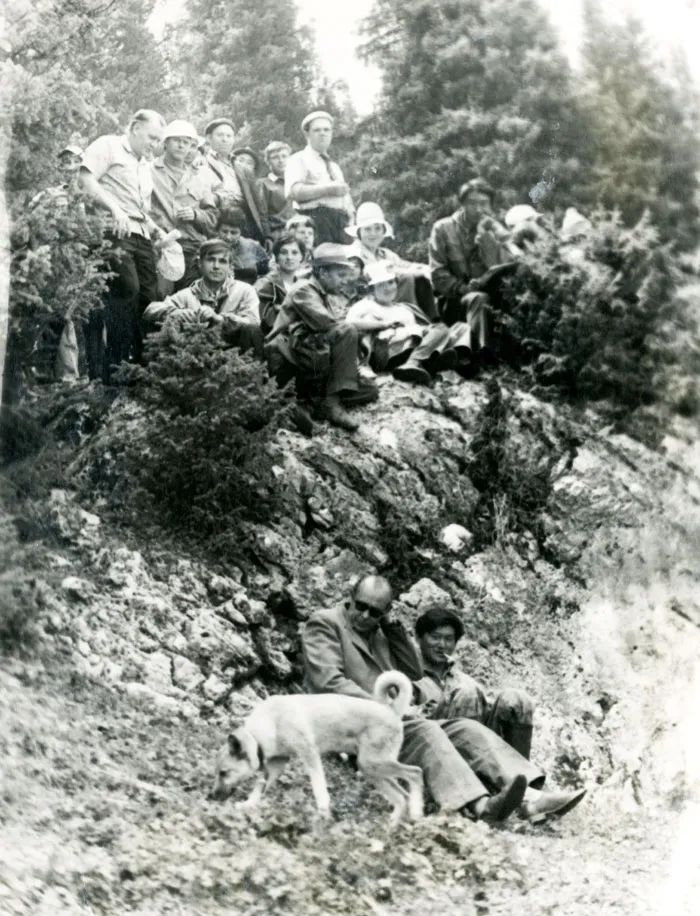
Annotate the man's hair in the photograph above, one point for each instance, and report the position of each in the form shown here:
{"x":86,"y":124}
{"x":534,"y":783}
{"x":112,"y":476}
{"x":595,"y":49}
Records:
{"x":145,"y":116}
{"x":356,"y":587}
{"x":275,"y":147}
{"x":288,"y":240}
{"x":233,"y":216}
{"x":301,"y":220}
{"x":438,"y":616}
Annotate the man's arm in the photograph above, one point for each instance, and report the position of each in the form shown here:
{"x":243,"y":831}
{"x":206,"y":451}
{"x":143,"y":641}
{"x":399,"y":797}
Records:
{"x":445,"y":283}
{"x":403,"y":650}
{"x":183,"y":303}
{"x":243,"y":306}
{"x":299,"y":190}
{"x":309,"y":306}
{"x":323,"y":660}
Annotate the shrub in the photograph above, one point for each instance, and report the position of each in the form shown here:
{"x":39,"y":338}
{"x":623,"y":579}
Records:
{"x":586,"y":319}
{"x":201,"y":458}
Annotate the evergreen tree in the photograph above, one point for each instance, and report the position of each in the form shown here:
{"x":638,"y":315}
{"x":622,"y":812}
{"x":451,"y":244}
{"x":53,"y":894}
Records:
{"x":250,"y":62}
{"x":644,"y":122}
{"x":475,"y":87}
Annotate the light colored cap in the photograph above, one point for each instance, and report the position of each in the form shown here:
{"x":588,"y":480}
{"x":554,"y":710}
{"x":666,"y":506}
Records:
{"x":379,"y":272}
{"x":575,"y":224}
{"x":367,"y":215}
{"x":312,"y":117}
{"x":332,"y":253}
{"x":521,"y":213}
{"x":180,"y":129}
{"x":71,"y":148}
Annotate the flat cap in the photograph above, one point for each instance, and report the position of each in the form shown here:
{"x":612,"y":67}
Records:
{"x":212,"y":245}
{"x":217,"y":122}
{"x":250,"y":151}
{"x":312,"y":117}
{"x":331,"y":253}
{"x":71,"y":148}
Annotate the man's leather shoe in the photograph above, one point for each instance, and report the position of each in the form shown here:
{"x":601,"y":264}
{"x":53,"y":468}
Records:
{"x":332,"y":410}
{"x":550,"y":804}
{"x":412,"y":371}
{"x":446,"y":360}
{"x":498,"y":807}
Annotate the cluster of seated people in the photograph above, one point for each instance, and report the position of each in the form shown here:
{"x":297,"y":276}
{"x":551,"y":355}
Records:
{"x":285,"y":264}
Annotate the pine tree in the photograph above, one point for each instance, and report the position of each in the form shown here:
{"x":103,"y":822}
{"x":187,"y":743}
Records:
{"x":469,"y":88}
{"x":250,"y":62}
{"x":644,"y":123}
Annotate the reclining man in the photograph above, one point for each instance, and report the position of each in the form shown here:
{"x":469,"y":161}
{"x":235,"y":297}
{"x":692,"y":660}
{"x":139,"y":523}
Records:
{"x":215,"y":299}
{"x":467,"y":767}
{"x":311,"y":333}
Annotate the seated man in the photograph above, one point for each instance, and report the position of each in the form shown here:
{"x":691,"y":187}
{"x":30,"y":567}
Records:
{"x":447,"y":692}
{"x":311,"y":333}
{"x":466,"y":766}
{"x":249,"y":260}
{"x":215,"y":299}
{"x":467,"y":252}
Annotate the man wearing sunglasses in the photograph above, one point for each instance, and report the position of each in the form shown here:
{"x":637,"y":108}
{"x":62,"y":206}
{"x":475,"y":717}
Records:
{"x":348,"y":647}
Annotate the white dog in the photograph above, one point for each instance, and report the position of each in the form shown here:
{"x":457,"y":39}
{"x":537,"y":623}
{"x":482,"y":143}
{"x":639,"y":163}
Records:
{"x":308,"y":725}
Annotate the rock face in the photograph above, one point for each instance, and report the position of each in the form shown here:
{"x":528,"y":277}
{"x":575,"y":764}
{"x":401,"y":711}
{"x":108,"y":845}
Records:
{"x":542,"y":597}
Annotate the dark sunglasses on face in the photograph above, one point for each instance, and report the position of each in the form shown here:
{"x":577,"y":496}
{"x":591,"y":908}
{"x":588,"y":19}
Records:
{"x":374,"y":612}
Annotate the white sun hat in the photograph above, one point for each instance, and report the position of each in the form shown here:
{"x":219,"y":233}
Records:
{"x":367,"y":215}
{"x":379,"y":272}
{"x":519,"y":214}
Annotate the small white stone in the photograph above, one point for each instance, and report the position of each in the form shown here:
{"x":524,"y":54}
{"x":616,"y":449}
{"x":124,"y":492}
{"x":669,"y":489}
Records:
{"x":456,"y":538}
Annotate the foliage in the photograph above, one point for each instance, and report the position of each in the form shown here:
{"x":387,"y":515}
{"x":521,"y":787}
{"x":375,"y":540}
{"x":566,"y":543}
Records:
{"x":201,"y":458}
{"x":468,"y":88}
{"x":645,"y":129}
{"x":249,"y":62}
{"x":20,"y":594}
{"x":585,"y":317}
{"x":514,"y":485}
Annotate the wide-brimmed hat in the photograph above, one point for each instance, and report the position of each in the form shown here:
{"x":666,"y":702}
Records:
{"x":367,"y":215}
{"x":519,"y":214}
{"x":379,"y":272}
{"x":217,"y":122}
{"x":575,"y":225}
{"x":331,"y":253}
{"x":179,"y":128}
{"x":312,"y":117}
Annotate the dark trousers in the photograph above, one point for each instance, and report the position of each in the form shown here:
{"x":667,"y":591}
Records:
{"x":243,"y":336}
{"x":509,"y":714}
{"x":114,"y":335}
{"x":329,"y":225}
{"x":190,"y":250}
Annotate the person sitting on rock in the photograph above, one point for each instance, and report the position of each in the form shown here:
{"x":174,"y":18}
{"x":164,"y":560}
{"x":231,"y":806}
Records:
{"x":311,"y":333}
{"x":215,"y":299}
{"x":272,"y":289}
{"x":468,"y":252}
{"x":414,"y":350}
{"x":390,"y":330}
{"x":467,"y":767}
{"x":249,"y":260}
{"x":447,"y":692}
{"x":370,"y":229}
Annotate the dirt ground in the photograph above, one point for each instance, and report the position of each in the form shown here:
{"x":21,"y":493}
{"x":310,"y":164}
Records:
{"x":103,"y":810}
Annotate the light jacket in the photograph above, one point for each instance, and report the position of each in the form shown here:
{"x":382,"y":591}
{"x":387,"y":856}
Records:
{"x":235,"y":300}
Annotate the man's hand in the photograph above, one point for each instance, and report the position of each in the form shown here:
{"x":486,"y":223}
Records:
{"x":207,"y":315}
{"x":474,"y":286}
{"x":121,"y":223}
{"x":337,"y":189}
{"x":392,"y":325}
{"x":184,"y":214}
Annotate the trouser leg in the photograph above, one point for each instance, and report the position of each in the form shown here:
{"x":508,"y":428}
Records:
{"x":191,"y":266}
{"x":121,"y":307}
{"x":434,"y":342}
{"x":479,"y":320}
{"x":448,"y":776}
{"x":245,"y":337}
{"x":494,"y":762}
{"x":510,"y":717}
{"x":344,"y":343}
{"x":145,"y":263}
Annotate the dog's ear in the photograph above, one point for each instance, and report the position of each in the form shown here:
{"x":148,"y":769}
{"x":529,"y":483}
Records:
{"x":234,"y":746}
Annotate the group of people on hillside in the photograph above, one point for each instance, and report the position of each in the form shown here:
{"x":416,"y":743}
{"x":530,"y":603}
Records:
{"x":284,"y":263}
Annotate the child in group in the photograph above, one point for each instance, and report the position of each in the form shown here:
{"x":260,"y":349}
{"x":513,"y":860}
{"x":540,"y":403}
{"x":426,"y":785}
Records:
{"x":249,"y":259}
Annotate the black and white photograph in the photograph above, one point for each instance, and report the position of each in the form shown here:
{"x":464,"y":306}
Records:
{"x":350,"y":458}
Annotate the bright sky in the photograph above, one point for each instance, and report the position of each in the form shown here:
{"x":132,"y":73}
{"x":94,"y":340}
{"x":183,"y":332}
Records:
{"x":669,"y":21}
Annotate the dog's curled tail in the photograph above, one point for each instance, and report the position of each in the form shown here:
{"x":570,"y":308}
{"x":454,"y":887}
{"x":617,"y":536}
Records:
{"x":394,"y":689}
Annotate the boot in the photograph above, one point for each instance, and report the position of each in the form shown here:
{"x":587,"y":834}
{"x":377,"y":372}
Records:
{"x":332,"y":410}
{"x":412,"y":371}
{"x":550,"y":804}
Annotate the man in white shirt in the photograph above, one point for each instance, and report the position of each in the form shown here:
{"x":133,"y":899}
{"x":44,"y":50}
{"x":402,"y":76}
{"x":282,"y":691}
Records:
{"x":116,"y":174}
{"x":316,"y":184}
